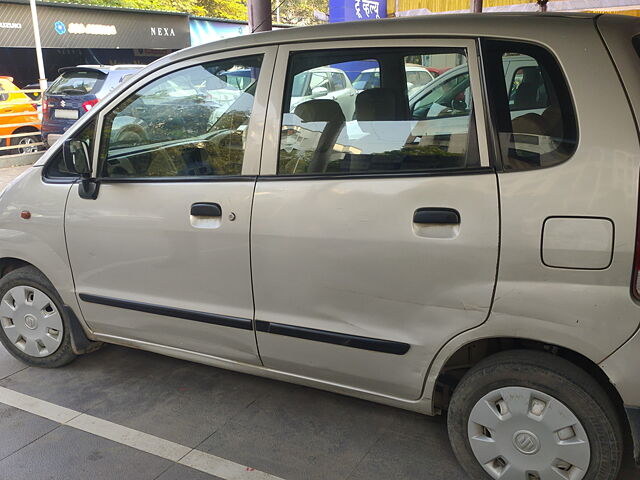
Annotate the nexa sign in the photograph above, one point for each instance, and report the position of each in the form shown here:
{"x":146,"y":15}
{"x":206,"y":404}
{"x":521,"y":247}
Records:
{"x":162,"y":32}
{"x":92,"y":27}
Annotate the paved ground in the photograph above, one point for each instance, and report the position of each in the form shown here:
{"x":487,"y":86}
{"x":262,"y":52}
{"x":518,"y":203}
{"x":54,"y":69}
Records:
{"x":285,"y":430}
{"x":289,"y":431}
{"x":9,"y":173}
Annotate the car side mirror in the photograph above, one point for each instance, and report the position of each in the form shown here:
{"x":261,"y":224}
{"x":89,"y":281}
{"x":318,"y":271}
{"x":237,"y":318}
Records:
{"x":319,"y":91}
{"x":76,"y":157}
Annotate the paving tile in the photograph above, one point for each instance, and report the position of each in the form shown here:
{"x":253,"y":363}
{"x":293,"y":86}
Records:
{"x":177,"y":400}
{"x":70,"y":454}
{"x":85,"y":382}
{"x":181,"y":472}
{"x":8,"y":364}
{"x":396,"y":455}
{"x":7,"y":174}
{"x":18,"y":428}
{"x":300,"y":433}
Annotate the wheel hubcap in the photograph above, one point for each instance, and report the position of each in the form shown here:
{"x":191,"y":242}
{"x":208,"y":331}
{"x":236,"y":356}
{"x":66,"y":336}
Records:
{"x":523,"y":434}
{"x":26,"y":144}
{"x":31,"y":321}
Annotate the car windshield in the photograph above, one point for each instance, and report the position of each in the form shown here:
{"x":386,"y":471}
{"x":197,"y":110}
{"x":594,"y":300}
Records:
{"x":79,"y":82}
{"x":367,"y":80}
{"x":239,"y":79}
{"x":299,"y":82}
{"x":446,"y":98}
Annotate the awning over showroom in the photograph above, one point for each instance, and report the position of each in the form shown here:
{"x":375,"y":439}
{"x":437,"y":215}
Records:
{"x":207,"y":30}
{"x":71,"y":26}
{"x":425,"y":7}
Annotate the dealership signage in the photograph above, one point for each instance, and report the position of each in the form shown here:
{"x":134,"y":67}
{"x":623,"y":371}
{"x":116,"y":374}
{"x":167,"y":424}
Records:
{"x":353,"y":10}
{"x":82,"y":27}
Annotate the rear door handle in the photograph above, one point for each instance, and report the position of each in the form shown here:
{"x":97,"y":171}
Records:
{"x":205,"y":209}
{"x":441,"y":216}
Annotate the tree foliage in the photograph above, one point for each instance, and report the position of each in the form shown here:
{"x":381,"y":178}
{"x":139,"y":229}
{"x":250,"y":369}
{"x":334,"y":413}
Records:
{"x":230,"y":9}
{"x":300,"y":12}
{"x":187,"y":6}
{"x":293,"y":12}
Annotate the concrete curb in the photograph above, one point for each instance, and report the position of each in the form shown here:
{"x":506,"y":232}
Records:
{"x":19,"y":160}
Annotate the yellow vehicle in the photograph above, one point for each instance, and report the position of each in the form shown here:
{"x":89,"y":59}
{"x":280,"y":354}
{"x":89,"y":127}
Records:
{"x":19,"y":120}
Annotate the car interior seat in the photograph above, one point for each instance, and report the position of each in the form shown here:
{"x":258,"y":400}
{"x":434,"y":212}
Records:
{"x":330,"y":113}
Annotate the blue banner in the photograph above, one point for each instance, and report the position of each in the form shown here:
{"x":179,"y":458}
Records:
{"x":354,"y":10}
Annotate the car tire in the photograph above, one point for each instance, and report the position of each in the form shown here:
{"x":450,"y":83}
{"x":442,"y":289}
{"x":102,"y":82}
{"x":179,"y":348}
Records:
{"x":25,"y":145}
{"x":34,"y":326}
{"x":514,"y":406}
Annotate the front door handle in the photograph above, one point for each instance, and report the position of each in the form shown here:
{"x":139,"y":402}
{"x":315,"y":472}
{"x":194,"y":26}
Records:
{"x":205,"y":209}
{"x":441,"y":216}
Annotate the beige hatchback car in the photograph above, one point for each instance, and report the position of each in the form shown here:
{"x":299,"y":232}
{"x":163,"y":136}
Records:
{"x":474,"y":252}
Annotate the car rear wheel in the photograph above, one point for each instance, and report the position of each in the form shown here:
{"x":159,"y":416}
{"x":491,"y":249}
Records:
{"x":28,"y":144}
{"x":530,"y":415}
{"x":33,"y":324}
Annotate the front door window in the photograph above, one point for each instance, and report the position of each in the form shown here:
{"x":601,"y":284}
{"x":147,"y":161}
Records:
{"x":192,"y":122}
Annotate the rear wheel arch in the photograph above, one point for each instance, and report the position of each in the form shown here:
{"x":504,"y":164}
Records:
{"x":472,"y":353}
{"x":490,"y":432}
{"x":25,"y":129}
{"x":8,"y":264}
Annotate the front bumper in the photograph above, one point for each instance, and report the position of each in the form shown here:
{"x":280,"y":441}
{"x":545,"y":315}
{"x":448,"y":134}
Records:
{"x":51,"y":139}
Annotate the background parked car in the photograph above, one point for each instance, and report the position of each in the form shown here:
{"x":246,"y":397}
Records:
{"x":325,"y":83}
{"x":75,"y":92}
{"x":436,"y":72}
{"x":18,"y":116}
{"x":417,"y":76}
{"x":33,"y":90}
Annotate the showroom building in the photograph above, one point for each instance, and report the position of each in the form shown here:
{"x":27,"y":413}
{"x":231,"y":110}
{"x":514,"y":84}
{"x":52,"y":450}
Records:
{"x":80,"y":34}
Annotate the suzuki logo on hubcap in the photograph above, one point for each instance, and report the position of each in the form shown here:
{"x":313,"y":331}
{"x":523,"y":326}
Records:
{"x":30,"y":322}
{"x":526,"y":442}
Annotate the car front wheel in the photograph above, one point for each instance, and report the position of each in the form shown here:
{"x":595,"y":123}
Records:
{"x":530,"y":415}
{"x":33,"y":324}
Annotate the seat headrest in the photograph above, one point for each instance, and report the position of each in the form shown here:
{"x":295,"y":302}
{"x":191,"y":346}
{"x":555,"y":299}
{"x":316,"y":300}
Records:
{"x":320,"y":111}
{"x":376,"y":104}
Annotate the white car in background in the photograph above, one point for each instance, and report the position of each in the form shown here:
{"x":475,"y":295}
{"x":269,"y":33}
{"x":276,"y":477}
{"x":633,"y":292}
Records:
{"x":417,"y":76}
{"x":324,"y":83}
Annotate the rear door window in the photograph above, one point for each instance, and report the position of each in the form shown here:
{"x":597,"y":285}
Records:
{"x":381,"y":127}
{"x":77,"y":83}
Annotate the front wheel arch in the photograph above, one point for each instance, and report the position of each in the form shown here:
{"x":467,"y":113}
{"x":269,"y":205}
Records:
{"x":79,"y":341}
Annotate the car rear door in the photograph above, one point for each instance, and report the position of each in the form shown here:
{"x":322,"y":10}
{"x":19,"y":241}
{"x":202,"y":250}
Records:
{"x":161,"y":255}
{"x":373,"y":240}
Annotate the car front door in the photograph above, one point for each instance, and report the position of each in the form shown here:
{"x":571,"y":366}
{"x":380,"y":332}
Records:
{"x":374,"y":239}
{"x":161,"y":255}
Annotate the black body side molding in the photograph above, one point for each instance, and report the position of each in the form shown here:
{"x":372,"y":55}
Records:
{"x":353,"y":341}
{"x":211,"y":318}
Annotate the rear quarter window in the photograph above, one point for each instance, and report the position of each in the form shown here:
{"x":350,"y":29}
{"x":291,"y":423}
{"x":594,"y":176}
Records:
{"x":531,"y":104}
{"x":77,"y":83}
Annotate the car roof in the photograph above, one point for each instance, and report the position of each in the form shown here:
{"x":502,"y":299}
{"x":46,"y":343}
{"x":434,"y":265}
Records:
{"x":525,"y":26}
{"x":486,"y":24}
